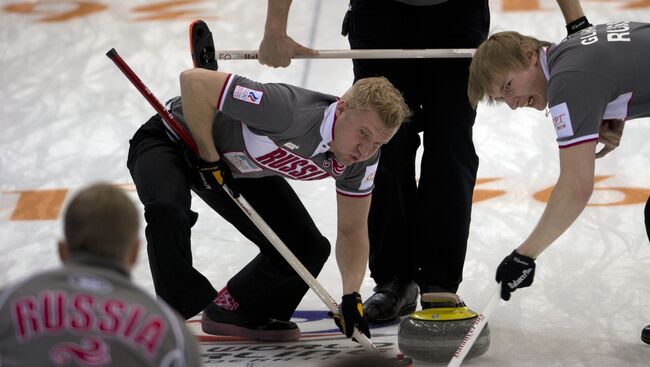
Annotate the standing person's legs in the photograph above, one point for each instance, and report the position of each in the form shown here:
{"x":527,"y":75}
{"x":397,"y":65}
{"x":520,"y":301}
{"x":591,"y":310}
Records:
{"x":391,"y":217}
{"x":160,"y":174}
{"x":449,"y":163}
{"x":448,"y":174}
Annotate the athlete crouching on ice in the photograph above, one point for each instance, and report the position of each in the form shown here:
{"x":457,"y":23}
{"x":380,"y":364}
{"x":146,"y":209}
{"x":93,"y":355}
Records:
{"x":254,"y":136}
{"x":592,"y":81}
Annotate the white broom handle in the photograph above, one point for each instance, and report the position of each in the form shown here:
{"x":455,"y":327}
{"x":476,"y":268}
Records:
{"x":296,"y":265}
{"x":475,"y":330}
{"x":440,"y":53}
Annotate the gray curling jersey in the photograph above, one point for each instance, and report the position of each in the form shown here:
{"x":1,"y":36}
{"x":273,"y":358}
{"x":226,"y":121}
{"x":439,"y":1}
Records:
{"x":81,"y":315}
{"x":602,"y":72}
{"x":264,"y":129}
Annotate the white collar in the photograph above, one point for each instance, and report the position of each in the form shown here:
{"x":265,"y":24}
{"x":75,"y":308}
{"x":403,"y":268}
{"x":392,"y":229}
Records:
{"x":327,"y":129}
{"x":544,"y":62}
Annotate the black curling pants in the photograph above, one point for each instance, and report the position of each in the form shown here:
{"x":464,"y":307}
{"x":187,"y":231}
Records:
{"x":419,"y":230}
{"x":267,"y":285}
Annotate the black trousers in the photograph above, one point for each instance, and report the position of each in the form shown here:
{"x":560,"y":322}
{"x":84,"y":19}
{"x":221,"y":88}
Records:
{"x":267,"y":285}
{"x":418,"y":230}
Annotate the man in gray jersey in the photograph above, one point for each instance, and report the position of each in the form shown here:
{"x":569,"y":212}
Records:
{"x":592,"y":82}
{"x":89,"y":313}
{"x":253,"y":136}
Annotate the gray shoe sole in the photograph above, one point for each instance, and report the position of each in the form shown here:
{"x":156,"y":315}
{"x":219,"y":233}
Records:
{"x":219,"y":328}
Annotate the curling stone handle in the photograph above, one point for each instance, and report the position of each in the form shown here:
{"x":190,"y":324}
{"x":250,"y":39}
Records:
{"x":441,"y":297}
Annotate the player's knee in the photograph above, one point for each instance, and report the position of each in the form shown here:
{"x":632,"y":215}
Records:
{"x":169,"y":213}
{"x":320,"y":250}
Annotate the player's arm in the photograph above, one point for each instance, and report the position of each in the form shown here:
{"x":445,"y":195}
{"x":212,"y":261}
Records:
{"x":277,"y":48}
{"x":352,"y":245}
{"x":200,"y":91}
{"x":573,"y":15}
{"x":568,"y":199}
{"x":571,"y":9}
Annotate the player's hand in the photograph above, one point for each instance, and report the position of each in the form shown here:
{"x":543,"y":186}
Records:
{"x":577,"y":25}
{"x":277,"y":50}
{"x":216,"y":174}
{"x":351,"y":315}
{"x":610,"y":134}
{"x":515,"y":271}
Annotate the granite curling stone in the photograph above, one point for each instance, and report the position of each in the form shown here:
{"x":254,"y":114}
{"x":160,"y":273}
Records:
{"x":434,"y":334}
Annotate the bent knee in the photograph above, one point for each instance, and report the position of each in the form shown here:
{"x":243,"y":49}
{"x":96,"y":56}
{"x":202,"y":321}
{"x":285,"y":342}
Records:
{"x":169,"y":212}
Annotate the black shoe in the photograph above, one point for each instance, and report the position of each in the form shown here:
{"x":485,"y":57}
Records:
{"x":217,"y":321}
{"x":645,"y":334}
{"x":202,"y":46}
{"x":391,"y":300}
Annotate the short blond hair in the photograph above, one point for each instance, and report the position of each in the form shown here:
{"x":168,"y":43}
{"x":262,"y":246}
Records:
{"x":101,"y":220}
{"x":501,"y":53}
{"x":380,"y":94}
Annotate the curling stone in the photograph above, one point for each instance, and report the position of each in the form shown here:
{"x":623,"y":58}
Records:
{"x":433,"y":335}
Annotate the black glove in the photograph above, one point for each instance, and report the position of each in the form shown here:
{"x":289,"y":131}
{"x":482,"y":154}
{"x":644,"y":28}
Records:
{"x":577,"y":25}
{"x":216,"y":174}
{"x":515,"y":271}
{"x":351,"y":315}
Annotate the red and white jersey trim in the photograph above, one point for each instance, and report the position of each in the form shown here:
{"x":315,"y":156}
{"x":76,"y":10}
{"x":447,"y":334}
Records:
{"x":353,"y":194}
{"x":576,"y":141}
{"x":226,"y":88}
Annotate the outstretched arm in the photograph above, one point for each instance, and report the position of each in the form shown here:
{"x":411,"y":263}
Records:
{"x":568,"y":200}
{"x":277,"y":48}
{"x":574,"y":17}
{"x":352,"y":248}
{"x":571,"y":10}
{"x":352,"y":245}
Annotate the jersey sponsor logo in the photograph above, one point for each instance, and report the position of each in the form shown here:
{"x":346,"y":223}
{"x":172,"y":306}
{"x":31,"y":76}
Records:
{"x":291,"y":165}
{"x":337,"y":168}
{"x":242,"y":162}
{"x":55,"y":311}
{"x":562,"y":120}
{"x":90,"y":282}
{"x":291,"y":146}
{"x":369,"y":178}
{"x":247,"y":95}
{"x":93,"y":351}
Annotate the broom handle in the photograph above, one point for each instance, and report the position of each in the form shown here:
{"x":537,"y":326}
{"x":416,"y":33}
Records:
{"x":475,"y":330}
{"x":441,"y":53}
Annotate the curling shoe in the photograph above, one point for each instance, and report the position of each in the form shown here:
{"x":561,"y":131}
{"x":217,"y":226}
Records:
{"x":217,"y":321}
{"x":391,"y":300}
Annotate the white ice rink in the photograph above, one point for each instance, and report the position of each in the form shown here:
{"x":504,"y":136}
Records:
{"x":67,"y":114}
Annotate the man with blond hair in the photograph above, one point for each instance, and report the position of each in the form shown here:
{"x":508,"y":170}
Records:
{"x":89,"y":312}
{"x":592,"y":82}
{"x":253,"y":136}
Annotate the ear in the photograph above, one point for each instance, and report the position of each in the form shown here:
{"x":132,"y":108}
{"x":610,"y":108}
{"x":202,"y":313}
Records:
{"x":132,"y":256}
{"x":340,"y":107}
{"x":531,"y":55}
{"x":63,"y":250}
